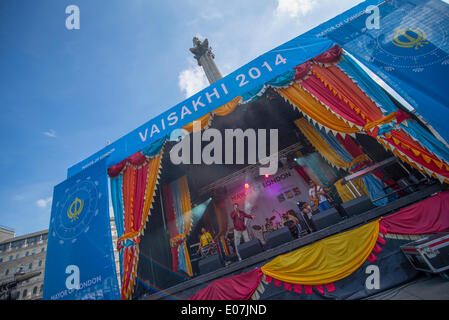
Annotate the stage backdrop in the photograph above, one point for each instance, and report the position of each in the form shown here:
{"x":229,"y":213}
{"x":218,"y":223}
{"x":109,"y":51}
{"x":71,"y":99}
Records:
{"x":80,"y":259}
{"x":278,"y":192}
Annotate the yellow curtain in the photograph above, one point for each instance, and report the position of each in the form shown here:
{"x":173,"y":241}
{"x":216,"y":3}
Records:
{"x":224,"y":110}
{"x":314,"y":109}
{"x":227,"y":108}
{"x":186,"y":206}
{"x":323,"y":148}
{"x":326,"y":261}
{"x":205,"y":120}
{"x":387,"y":119}
{"x":153,"y":176}
{"x":346,"y":194}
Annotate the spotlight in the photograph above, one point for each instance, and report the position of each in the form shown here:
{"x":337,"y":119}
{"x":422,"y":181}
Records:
{"x":246,"y":186}
{"x":266,"y":175}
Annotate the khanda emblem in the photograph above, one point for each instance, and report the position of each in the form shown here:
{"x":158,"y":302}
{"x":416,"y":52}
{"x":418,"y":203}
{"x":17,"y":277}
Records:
{"x":409,"y":38}
{"x":75,"y":209}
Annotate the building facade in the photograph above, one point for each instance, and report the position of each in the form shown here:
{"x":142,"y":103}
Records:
{"x":6,"y":233}
{"x":29,"y":252}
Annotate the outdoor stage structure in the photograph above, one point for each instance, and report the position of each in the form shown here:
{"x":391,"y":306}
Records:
{"x":336,"y":126}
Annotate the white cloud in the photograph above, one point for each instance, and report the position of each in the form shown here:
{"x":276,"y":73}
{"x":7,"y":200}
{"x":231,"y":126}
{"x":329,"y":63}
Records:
{"x":192,"y":80}
{"x":51,"y":133}
{"x":293,"y":8}
{"x":43,"y":203}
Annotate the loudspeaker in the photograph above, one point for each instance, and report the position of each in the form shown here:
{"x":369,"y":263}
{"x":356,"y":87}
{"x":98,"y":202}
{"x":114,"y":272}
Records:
{"x":250,"y":248}
{"x":210,"y":263}
{"x":326,"y":218}
{"x":357,"y":205}
{"x":195,"y":266}
{"x":278,"y":237}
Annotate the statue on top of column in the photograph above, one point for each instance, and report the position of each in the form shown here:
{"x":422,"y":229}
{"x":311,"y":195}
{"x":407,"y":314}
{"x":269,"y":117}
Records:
{"x":200,"y":49}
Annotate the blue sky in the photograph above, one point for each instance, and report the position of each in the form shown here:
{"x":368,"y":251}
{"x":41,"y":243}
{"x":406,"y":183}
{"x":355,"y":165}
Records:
{"x":65,"y":93}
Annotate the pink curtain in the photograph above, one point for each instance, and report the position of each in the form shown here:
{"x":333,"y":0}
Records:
{"x":238,"y":287}
{"x":428,"y":216}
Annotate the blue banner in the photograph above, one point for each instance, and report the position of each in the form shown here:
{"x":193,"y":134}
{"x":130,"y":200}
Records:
{"x":80,"y":259}
{"x":245,"y":79}
{"x":409,"y":50}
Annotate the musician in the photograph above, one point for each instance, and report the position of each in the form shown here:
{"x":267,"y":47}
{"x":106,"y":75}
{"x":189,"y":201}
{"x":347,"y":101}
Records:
{"x":238,"y":218}
{"x":319,"y":196}
{"x":291,"y":221}
{"x":306,"y":212}
{"x":205,"y":240}
{"x":269,"y":226}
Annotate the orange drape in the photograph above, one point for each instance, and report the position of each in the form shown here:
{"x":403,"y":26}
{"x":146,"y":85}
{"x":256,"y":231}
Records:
{"x":224,"y":110}
{"x":302,"y":100}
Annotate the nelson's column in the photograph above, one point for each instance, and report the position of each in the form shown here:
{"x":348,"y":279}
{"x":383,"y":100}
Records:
{"x":203,"y":54}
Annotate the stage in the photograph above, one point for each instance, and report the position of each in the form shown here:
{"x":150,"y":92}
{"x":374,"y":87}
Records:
{"x":188,"y":288}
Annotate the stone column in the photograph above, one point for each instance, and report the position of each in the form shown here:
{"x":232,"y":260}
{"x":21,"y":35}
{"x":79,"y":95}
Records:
{"x":203,"y":54}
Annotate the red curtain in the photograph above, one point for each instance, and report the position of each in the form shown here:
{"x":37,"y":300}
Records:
{"x":326,"y":96}
{"x":302,"y":172}
{"x":344,"y":88}
{"x":428,"y":216}
{"x":348,"y":143}
{"x":238,"y":287}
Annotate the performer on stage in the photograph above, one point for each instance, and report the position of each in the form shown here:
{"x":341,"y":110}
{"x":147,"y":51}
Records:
{"x":319,"y":196}
{"x":289,"y":220}
{"x":238,"y":218}
{"x":269,"y":226}
{"x":205,"y":240}
{"x":306,"y":212}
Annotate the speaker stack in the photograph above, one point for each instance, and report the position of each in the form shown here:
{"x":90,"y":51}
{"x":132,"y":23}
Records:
{"x":278,"y":237}
{"x":326,"y":218}
{"x":357,"y":206}
{"x":210,"y":263}
{"x":250,"y":248}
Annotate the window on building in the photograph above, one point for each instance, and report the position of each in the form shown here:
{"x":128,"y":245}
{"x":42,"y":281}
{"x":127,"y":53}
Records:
{"x":34,"y":290}
{"x":30,"y":266}
{"x":17,"y":256}
{"x":1,"y":260}
{"x":42,"y":288}
{"x":24,"y":293}
{"x":6,"y":272}
{"x":33,"y":252}
{"x":42,"y":250}
{"x":26,"y":254}
{"x":10,"y":258}
{"x":40,"y":263}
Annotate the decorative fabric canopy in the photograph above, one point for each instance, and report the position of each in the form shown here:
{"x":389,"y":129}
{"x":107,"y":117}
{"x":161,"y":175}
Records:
{"x":314,"y":110}
{"x":324,"y":149}
{"x":327,"y":260}
{"x":224,"y":110}
{"x":133,"y":183}
{"x":330,"y":97}
{"x":318,"y":265}
{"x":178,"y":211}
{"x":240,"y":287}
{"x":428,"y":216}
